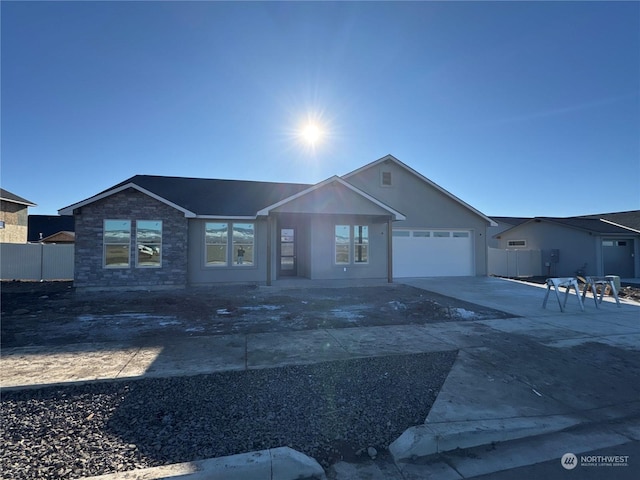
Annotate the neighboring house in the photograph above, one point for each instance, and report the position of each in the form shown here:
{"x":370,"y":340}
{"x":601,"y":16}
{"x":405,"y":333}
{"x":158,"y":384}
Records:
{"x":381,"y":221}
{"x":13,"y":217}
{"x":51,"y":228}
{"x":590,"y":245}
{"x":502,"y":224}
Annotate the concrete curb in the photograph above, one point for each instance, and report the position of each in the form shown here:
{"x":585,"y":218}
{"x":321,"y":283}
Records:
{"x":281,"y":463}
{"x":430,"y":438}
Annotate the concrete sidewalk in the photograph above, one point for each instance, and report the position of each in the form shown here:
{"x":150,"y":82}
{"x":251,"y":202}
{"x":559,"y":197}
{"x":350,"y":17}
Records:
{"x":538,"y":373}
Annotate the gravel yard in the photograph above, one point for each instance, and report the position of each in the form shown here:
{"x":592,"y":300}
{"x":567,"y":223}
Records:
{"x":329,"y":411}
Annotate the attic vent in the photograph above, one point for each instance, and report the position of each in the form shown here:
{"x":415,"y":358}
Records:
{"x":386,"y":179}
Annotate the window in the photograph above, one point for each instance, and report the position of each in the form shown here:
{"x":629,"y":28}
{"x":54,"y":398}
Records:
{"x":517,"y":243}
{"x":361,"y":243}
{"x":607,"y":243}
{"x":1,"y":223}
{"x":117,"y":243}
{"x":149,"y":243}
{"x":385,"y":179}
{"x":243,"y":235}
{"x":421,"y":233}
{"x":343,"y":244}
{"x":220,"y":248}
{"x":441,"y":234}
{"x":401,"y":233}
{"x":460,"y":234}
{"x":216,"y":241}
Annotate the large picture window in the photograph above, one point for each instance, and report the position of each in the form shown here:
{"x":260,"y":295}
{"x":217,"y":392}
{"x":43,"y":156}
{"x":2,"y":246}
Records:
{"x":361,"y":244}
{"x":229,"y":244}
{"x":216,"y":241}
{"x":243,"y":239}
{"x":149,"y":243}
{"x":117,"y":243}
{"x":343,"y":244}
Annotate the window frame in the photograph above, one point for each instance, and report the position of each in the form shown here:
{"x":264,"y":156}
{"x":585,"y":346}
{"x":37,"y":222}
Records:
{"x":234,"y":249}
{"x":105,"y":244}
{"x":159,"y":265}
{"x":384,"y":175}
{"x":230,"y":250}
{"x":361,"y":245}
{"x":520,"y":243}
{"x":336,"y":244}
{"x":224,"y":263}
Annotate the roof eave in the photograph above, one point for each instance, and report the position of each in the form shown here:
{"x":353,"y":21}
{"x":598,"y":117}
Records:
{"x":70,"y":209}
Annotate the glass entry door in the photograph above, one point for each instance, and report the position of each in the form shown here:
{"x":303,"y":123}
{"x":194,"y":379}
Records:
{"x":288,"y":266}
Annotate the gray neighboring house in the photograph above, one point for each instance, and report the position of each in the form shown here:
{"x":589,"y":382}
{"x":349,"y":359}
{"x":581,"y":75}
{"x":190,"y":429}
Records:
{"x":381,"y":221}
{"x":603,"y":244}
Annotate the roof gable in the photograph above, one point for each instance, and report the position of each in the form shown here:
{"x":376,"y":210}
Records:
{"x":323,"y":209}
{"x":391,"y":158}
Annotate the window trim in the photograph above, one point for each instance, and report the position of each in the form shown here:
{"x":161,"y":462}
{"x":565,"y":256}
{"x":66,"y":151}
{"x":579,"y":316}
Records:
{"x":226,"y":249}
{"x":388,"y":174}
{"x":234,"y":259}
{"x":352,"y":245}
{"x":159,"y":265}
{"x":335,"y":245}
{"x":104,"y":244}
{"x":230,"y":257}
{"x":521,"y":243}
{"x":361,"y":244}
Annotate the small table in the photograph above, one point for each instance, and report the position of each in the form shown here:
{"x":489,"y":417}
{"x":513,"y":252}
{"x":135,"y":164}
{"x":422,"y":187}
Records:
{"x":568,"y":283}
{"x":592,"y":284}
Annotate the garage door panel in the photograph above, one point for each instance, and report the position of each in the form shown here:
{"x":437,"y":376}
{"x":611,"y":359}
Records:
{"x":420,"y":256}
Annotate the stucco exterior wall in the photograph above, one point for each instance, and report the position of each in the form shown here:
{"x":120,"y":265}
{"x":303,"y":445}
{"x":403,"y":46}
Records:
{"x":15,"y":218}
{"x":129,"y":205}
{"x":423,"y":205}
{"x":575,"y":247}
{"x":323,"y":265}
{"x":200,"y":273}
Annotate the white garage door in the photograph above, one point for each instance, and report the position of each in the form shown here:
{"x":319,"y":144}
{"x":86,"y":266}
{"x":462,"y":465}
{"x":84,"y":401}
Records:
{"x":432,"y":253}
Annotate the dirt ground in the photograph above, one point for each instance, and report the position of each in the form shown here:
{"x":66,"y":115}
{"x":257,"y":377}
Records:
{"x":53,"y":313}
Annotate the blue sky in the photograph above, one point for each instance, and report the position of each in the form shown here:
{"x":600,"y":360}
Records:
{"x":518,"y":108}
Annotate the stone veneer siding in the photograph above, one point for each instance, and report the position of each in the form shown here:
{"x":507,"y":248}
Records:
{"x":133,"y":205}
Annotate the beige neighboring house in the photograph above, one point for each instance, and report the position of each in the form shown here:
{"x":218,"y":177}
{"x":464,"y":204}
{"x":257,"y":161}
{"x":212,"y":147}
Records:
{"x":13,"y":217}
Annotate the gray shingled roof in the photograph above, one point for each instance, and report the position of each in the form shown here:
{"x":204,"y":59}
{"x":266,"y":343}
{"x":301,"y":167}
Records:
{"x":590,"y":224}
{"x":204,"y":196}
{"x":12,"y":197}
{"x":629,"y":219}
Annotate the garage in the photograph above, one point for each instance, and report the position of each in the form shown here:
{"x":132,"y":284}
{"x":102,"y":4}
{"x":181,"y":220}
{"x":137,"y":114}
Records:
{"x":432,"y":253}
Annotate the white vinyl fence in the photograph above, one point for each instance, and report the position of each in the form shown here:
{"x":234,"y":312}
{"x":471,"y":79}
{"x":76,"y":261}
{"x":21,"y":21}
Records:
{"x":36,"y":261}
{"x":515,"y":263}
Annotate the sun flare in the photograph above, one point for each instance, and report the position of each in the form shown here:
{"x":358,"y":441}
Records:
{"x":311,"y":133}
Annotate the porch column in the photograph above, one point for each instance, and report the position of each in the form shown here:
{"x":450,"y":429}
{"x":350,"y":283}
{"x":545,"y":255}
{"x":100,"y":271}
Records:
{"x":269,"y":242}
{"x":390,"y":250}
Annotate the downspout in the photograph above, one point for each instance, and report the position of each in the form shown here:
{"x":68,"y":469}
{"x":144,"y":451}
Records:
{"x":269,"y":242}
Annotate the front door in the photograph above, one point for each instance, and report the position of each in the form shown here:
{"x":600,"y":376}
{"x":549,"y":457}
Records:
{"x":288,"y":265}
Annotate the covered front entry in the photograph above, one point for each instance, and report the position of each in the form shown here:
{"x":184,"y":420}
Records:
{"x":292,"y":249}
